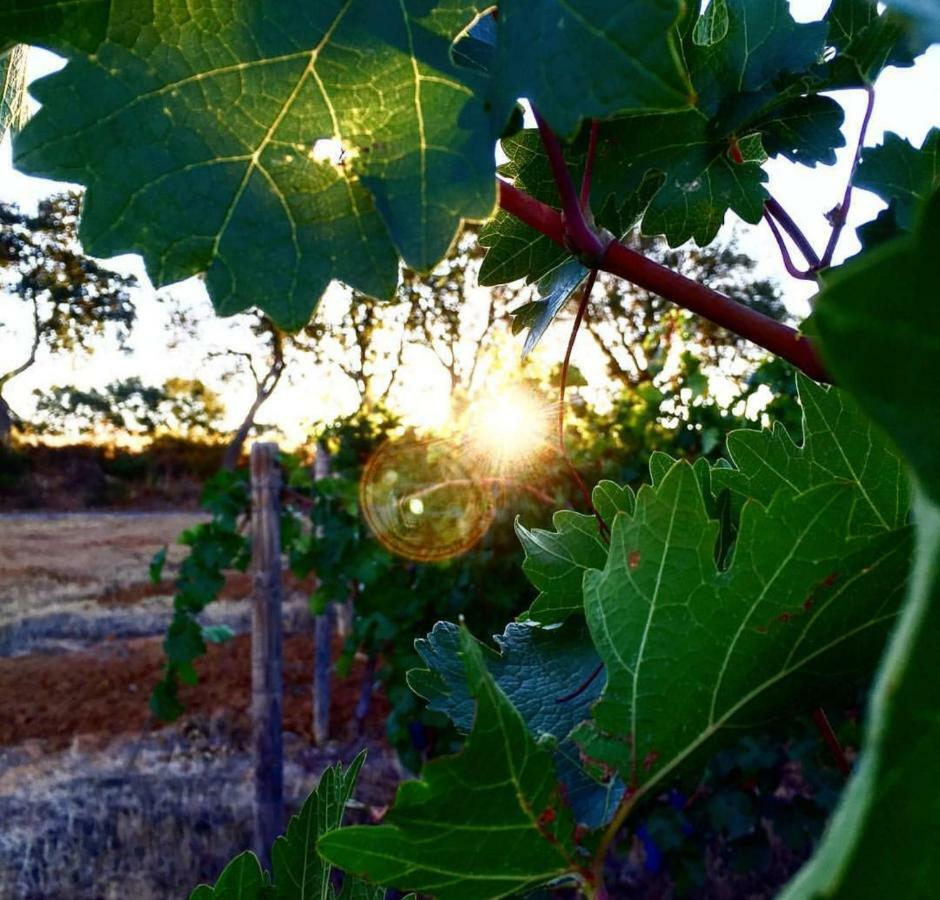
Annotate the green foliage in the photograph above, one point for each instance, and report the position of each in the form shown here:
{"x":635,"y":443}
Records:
{"x":619,"y":59}
{"x":520,"y":838}
{"x":890,"y":809}
{"x":298,"y":870}
{"x":214,"y":546}
{"x":903,"y":176}
{"x":277,"y":149}
{"x":226,"y":172}
{"x":795,"y":613}
{"x":923,"y":13}
{"x":698,"y":642}
{"x":185,"y":407}
{"x":555,"y":561}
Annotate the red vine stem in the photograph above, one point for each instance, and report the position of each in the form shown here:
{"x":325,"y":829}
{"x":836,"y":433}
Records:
{"x":832,"y":742}
{"x":775,"y":209}
{"x":619,"y":260}
{"x":840,"y":214}
{"x":583,"y":238}
{"x":589,"y":165}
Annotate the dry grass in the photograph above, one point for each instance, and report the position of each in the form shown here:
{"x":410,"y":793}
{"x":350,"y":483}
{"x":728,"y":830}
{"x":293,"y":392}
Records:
{"x":48,"y":561}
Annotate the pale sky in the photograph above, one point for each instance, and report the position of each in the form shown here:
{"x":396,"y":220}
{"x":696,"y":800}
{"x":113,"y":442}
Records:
{"x":908,"y":103}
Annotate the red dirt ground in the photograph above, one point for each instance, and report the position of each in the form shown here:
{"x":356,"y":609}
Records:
{"x":103,"y":692}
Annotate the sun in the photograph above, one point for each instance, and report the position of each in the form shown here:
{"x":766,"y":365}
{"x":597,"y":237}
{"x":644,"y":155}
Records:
{"x":509,"y":428}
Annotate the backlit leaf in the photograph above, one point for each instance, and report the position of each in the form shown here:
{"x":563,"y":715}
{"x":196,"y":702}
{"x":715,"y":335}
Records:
{"x":273,"y":147}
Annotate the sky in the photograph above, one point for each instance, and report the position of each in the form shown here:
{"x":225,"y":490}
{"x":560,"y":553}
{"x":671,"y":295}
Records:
{"x":907,"y":102}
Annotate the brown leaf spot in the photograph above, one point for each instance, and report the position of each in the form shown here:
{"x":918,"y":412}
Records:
{"x":633,"y":560}
{"x":650,"y":760}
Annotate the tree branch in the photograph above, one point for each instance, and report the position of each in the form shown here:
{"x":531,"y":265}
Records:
{"x":774,"y":336}
{"x":34,"y":350}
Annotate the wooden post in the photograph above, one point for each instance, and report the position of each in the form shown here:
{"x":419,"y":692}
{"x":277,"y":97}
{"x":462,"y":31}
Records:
{"x":266,"y":648}
{"x":322,"y":639}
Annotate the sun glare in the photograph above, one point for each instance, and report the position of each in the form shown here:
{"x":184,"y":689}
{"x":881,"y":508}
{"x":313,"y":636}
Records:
{"x":510,"y":427}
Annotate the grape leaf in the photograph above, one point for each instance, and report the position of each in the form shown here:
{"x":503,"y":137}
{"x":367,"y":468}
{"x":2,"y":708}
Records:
{"x":901,"y":174}
{"x":242,"y":879}
{"x":617,"y":58}
{"x":924,"y":13}
{"x":488,"y":822}
{"x":555,"y":561}
{"x":80,"y":24}
{"x":693,"y":651}
{"x":702,"y":180}
{"x":299,"y":871}
{"x":761,"y":42}
{"x":538,"y":670}
{"x":273,"y":149}
{"x":839,"y":444}
{"x":891,"y":808}
{"x":805,"y":130}
{"x":13,"y":108}
{"x":867,"y":41}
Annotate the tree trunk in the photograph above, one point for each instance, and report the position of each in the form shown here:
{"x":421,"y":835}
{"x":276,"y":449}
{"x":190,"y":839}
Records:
{"x":266,"y":649}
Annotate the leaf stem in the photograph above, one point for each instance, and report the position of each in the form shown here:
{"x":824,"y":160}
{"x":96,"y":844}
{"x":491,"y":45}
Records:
{"x":780,"y":339}
{"x":583,"y":238}
{"x":840,"y":214}
{"x":775,"y":209}
{"x":832,"y":742}
{"x":562,"y":449}
{"x":589,"y":166}
{"x":788,"y":263}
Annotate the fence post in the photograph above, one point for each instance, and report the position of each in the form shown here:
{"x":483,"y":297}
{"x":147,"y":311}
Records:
{"x":266,"y":648}
{"x":322,"y":639}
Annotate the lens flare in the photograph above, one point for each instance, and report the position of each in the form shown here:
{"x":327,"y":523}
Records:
{"x":510,"y":430}
{"x":421,"y":502}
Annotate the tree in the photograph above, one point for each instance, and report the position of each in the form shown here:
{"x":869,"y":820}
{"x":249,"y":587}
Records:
{"x":183,"y":407}
{"x":73,"y":297}
{"x":334,"y":141}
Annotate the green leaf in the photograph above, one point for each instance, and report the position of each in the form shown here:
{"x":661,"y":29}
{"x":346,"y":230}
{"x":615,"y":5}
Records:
{"x":299,"y":871}
{"x":538,"y":670}
{"x":582,"y":59}
{"x":13,"y":107}
{"x":555,"y":290}
{"x":878,"y":305}
{"x":805,"y":130}
{"x":242,"y":879}
{"x":901,"y":174}
{"x":702,"y":181}
{"x":489,"y":822}
{"x":761,"y":42}
{"x":272,"y":149}
{"x":693,"y":651}
{"x":555,"y":561}
{"x":891,"y":808}
{"x":925,"y":14}
{"x":866,"y":42}
{"x":157,"y":565}
{"x":80,"y":24}
{"x":839,"y":444}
